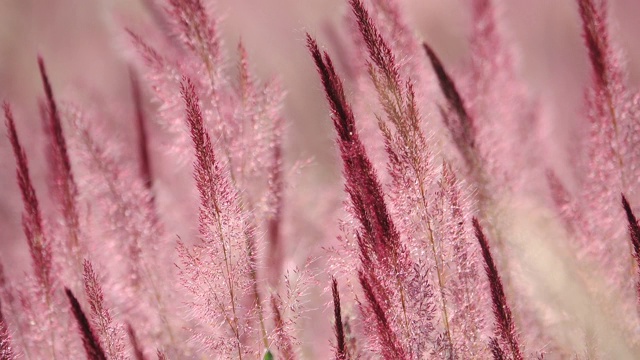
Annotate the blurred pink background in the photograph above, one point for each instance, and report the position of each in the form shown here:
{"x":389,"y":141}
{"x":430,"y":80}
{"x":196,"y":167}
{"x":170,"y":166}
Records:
{"x":87,"y":52}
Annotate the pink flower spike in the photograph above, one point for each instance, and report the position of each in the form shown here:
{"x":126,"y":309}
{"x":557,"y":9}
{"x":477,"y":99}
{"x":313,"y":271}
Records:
{"x":197,"y":30}
{"x":6,"y":351}
{"x":462,"y":130}
{"x":379,"y":51}
{"x":218,"y":270}
{"x":105,"y":329}
{"x":596,"y":37}
{"x":64,"y":184}
{"x":32,"y":223}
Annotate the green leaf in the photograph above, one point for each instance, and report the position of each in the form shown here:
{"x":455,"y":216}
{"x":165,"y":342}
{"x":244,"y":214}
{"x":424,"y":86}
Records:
{"x":268,"y":355}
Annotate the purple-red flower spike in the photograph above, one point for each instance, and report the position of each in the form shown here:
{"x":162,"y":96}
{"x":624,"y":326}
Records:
{"x":341,"y":352}
{"x":63,"y":182}
{"x":378,"y":239}
{"x":362,"y":184}
{"x":390,"y":344}
{"x":496,"y":350}
{"x":197,"y":29}
{"x":59,"y":142}
{"x":89,"y":340}
{"x":634,"y":234}
{"x":205,"y":159}
{"x":462,"y":130}
{"x":32,"y":221}
{"x":379,"y":51}
{"x":594,"y":30}
{"x":505,"y":328}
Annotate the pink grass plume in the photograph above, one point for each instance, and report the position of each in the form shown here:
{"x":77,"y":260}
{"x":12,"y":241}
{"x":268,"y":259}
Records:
{"x":6,"y":349}
{"x":221,"y":283}
{"x":104,"y":327}
{"x":32,"y":220}
{"x":456,"y":115}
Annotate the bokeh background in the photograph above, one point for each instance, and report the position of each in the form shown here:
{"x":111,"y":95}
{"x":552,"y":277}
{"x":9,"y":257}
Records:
{"x":87,"y":54}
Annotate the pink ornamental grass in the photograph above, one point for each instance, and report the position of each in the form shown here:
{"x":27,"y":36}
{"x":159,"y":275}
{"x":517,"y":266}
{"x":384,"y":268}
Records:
{"x":187,"y":235}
